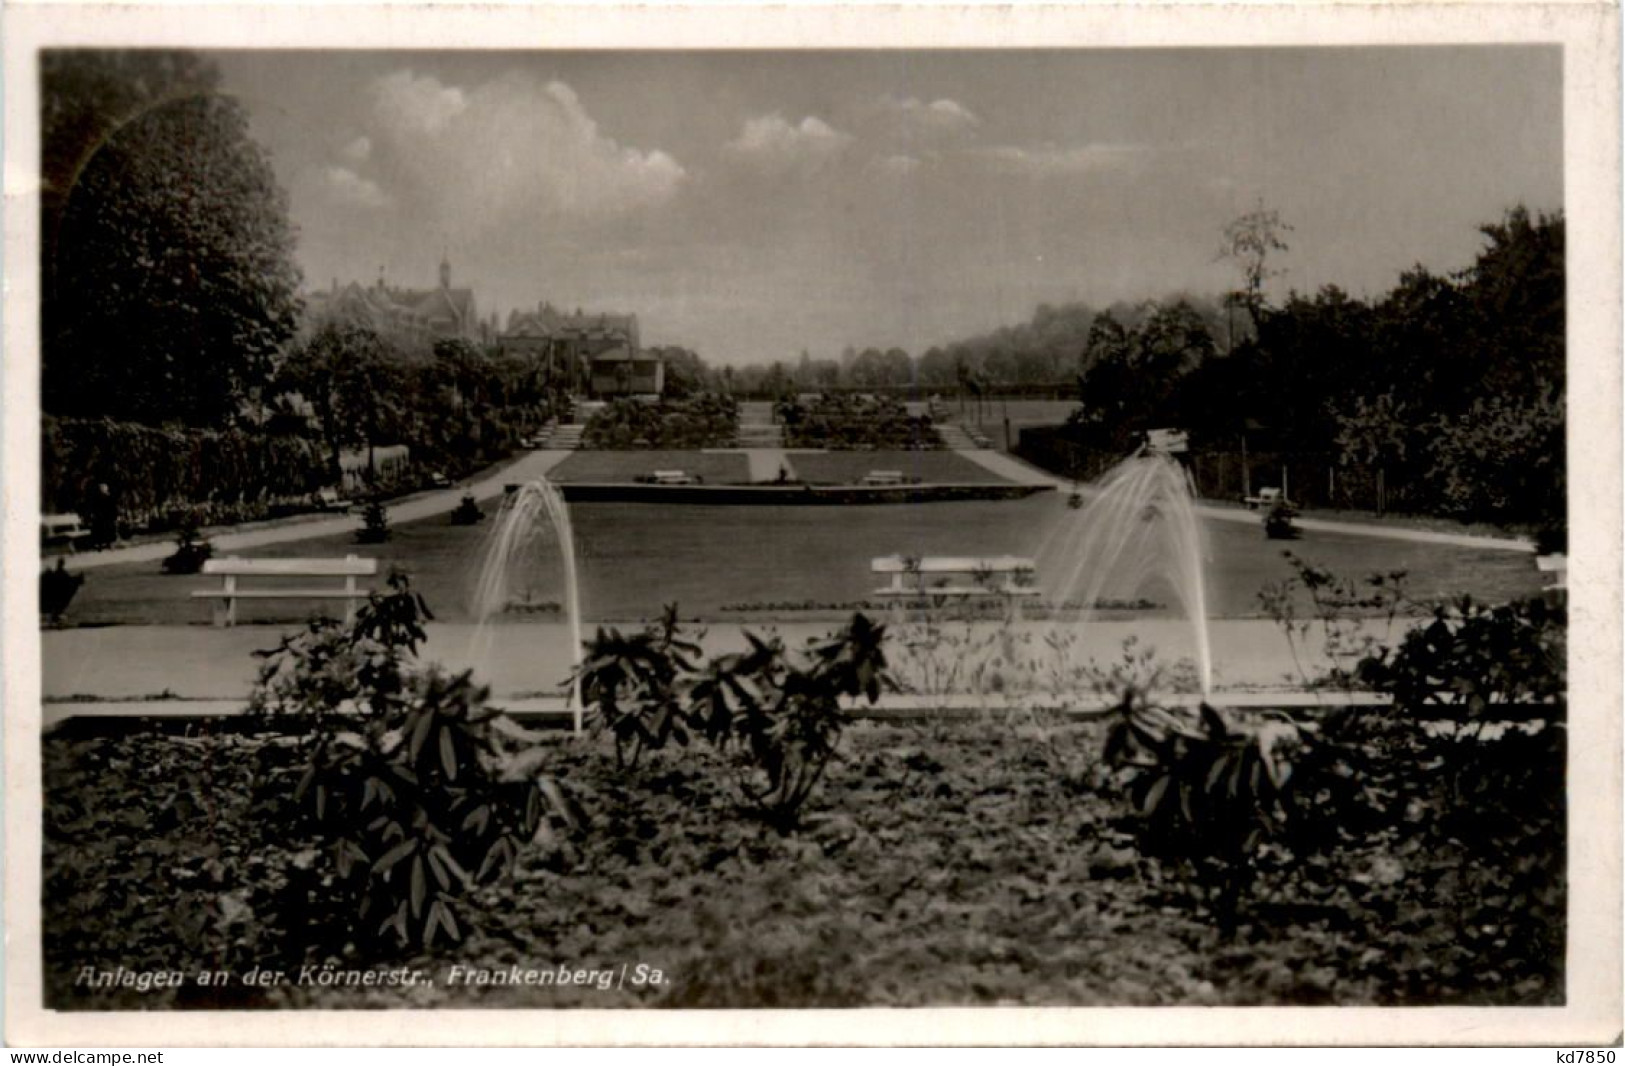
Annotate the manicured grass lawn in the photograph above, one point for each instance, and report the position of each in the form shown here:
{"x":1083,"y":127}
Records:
{"x":731,"y":469}
{"x":636,"y":557}
{"x":849,"y":468}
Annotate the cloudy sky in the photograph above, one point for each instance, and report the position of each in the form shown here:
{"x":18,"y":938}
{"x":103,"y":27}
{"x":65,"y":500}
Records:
{"x":752,"y":205}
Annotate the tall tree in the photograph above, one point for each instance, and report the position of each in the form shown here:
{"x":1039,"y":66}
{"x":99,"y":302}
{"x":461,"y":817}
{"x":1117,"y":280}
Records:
{"x":1516,"y":291}
{"x":167,"y":270}
{"x":1251,"y":242}
{"x":344,"y":373}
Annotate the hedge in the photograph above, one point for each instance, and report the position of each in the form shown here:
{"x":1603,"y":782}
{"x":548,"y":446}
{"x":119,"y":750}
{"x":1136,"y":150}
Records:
{"x":214,"y":475}
{"x":703,"y":421}
{"x":849,"y":423}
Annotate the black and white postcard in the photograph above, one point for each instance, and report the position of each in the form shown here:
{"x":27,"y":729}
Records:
{"x":659,"y":525}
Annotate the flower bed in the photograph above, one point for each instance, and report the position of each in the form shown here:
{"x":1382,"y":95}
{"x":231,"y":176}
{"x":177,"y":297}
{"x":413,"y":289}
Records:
{"x":844,"y":422}
{"x":705,"y":421}
{"x":980,"y":863}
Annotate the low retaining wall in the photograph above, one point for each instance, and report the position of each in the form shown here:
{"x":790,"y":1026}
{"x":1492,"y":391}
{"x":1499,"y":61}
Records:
{"x":789,"y":495}
{"x":552,"y":712}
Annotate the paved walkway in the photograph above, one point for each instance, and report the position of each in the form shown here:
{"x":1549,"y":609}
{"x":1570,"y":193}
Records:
{"x":528,"y":467}
{"x":1010,"y":468}
{"x":765,"y":464}
{"x":1013,"y":469}
{"x":526,"y":659}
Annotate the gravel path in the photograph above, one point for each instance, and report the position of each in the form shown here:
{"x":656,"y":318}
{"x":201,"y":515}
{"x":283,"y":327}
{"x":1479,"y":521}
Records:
{"x":1022,"y":473}
{"x":306,"y":527}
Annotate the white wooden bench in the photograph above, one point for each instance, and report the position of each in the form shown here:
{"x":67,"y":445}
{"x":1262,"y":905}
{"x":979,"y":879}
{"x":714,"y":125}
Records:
{"x":328,"y":499}
{"x":233,"y":567}
{"x":1265,"y":498}
{"x":883,"y":477}
{"x":1557,"y":583}
{"x":936,"y":577}
{"x":61,"y":529}
{"x":671,"y":477}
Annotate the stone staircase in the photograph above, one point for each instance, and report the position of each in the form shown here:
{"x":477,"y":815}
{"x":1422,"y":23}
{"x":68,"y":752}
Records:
{"x":956,"y":437}
{"x":567,"y":437}
{"x":760,"y":436}
{"x":756,"y":426}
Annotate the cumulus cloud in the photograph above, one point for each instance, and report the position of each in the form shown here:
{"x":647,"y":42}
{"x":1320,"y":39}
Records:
{"x":358,"y":150}
{"x":511,"y":148}
{"x":942,"y":116}
{"x":896,"y":166}
{"x":1055,"y":161}
{"x":774,"y":143}
{"x":348,"y":187}
{"x":407,"y":101}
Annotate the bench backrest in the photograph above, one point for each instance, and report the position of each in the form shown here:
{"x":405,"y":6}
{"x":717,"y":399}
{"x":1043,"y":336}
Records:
{"x":349,"y":566}
{"x":55,"y":523}
{"x":1269,"y":495}
{"x":952,"y":564}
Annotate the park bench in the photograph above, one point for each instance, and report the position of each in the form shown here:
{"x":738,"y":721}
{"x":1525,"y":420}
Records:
{"x":328,"y":499}
{"x":938,"y":578}
{"x":233,"y":567}
{"x":1266,"y":498}
{"x":883,"y":477}
{"x":64,"y":529}
{"x":1557,"y":584}
{"x":671,"y":477}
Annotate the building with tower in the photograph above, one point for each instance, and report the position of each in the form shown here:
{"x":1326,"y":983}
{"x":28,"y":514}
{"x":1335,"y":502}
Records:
{"x":411,"y":319}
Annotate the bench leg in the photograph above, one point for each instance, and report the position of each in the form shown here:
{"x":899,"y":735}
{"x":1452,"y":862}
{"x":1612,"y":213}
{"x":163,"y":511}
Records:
{"x":225,"y":609}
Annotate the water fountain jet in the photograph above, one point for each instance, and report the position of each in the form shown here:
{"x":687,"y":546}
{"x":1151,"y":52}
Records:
{"x":1137,"y":525}
{"x":533,"y":518}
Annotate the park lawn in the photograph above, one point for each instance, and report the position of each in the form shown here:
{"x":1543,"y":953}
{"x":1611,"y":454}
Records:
{"x":928,"y":467}
{"x":628,"y":466}
{"x":714,"y":561}
{"x":979,"y":863}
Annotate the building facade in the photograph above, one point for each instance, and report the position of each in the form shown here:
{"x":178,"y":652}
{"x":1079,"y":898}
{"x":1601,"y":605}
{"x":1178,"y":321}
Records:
{"x":410,"y":319}
{"x":595,"y":353}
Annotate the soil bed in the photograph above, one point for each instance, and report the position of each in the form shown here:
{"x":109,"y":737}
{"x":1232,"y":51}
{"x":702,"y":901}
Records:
{"x":973,"y":863}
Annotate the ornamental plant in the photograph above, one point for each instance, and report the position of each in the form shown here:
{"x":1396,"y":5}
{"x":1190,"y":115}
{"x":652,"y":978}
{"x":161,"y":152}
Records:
{"x":374,"y":523}
{"x":1338,"y":608}
{"x":780,"y":715}
{"x":1477,"y":657}
{"x":192,"y":549}
{"x":1207,"y":795}
{"x":57,"y":588}
{"x":406,"y":797}
{"x":634,"y":684}
{"x":467,"y":513}
{"x":775,"y":713}
{"x":1281,"y":522}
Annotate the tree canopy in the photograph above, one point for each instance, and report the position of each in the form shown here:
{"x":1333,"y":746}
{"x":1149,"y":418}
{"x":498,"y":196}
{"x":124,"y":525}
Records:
{"x":168,"y":282}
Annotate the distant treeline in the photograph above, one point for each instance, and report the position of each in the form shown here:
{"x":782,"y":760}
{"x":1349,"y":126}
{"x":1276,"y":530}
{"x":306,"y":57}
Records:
{"x":1448,"y":389}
